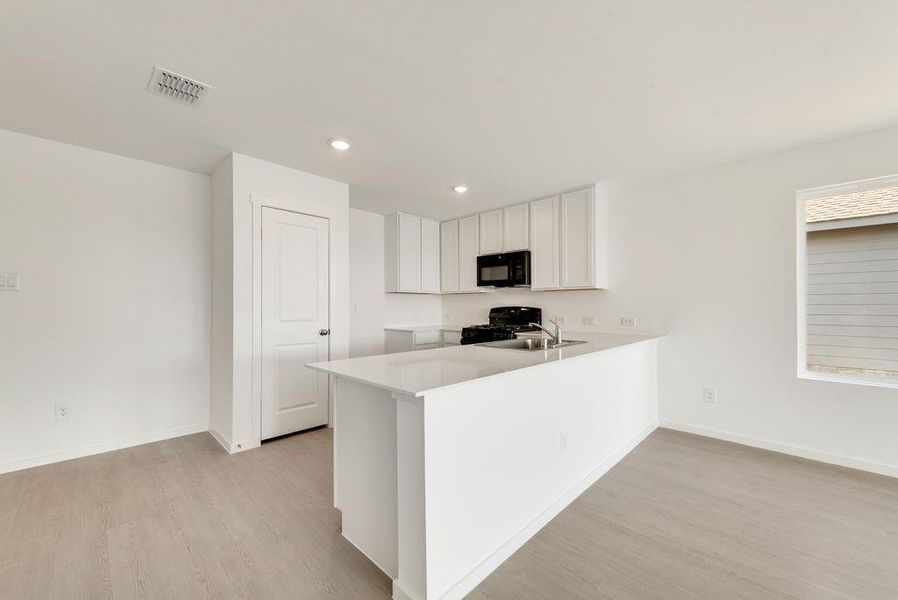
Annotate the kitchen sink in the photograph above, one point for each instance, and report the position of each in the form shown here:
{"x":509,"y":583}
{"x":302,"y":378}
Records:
{"x":530,"y":344}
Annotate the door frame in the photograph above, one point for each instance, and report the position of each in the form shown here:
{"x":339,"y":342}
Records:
{"x":258,"y":202}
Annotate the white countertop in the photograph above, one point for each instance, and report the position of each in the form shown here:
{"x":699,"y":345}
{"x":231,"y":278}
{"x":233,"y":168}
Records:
{"x":416,"y":373}
{"x":413,"y":328}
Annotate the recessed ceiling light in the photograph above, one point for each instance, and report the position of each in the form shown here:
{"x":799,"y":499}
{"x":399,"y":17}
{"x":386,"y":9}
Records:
{"x":460,"y":189}
{"x":338,"y":144}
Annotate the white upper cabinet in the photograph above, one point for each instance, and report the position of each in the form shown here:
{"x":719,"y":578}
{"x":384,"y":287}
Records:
{"x":577,"y":253}
{"x":544,"y":260}
{"x":566,"y":235}
{"x":430,"y":256}
{"x":491,"y":226}
{"x":468,"y":248}
{"x":411,"y":254}
{"x":516,"y":227}
{"x":583,"y":239}
{"x":409,"y":227}
{"x":449,"y":256}
{"x":568,"y":241}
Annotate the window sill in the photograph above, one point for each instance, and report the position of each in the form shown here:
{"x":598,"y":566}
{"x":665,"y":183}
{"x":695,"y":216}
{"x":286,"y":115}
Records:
{"x":868,"y":380}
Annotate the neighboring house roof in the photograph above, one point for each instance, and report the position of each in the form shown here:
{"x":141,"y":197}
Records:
{"x":870,"y":203}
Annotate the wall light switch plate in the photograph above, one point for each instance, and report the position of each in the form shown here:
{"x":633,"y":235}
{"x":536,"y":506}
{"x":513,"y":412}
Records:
{"x":9,"y":282}
{"x":590,"y":320}
{"x":628,"y":321}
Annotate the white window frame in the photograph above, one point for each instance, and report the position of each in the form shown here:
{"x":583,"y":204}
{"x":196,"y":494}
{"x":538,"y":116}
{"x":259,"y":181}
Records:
{"x":802,"y":196}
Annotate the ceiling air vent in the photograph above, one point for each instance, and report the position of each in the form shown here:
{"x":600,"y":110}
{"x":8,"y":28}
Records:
{"x":177,"y":87}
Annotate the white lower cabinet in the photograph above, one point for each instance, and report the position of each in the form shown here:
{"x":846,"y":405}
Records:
{"x":408,"y":340}
{"x":451,"y":337}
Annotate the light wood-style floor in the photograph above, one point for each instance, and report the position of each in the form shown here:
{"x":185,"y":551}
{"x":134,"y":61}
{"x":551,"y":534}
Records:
{"x":680,"y":517}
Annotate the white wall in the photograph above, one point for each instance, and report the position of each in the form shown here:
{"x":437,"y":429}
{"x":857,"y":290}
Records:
{"x":573,"y":305}
{"x":221,"y":400}
{"x":371,"y":309}
{"x":257,"y":183}
{"x":722,"y":263}
{"x":113,"y":315}
{"x":709,"y":258}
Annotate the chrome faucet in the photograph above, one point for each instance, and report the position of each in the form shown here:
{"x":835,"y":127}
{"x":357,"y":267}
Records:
{"x":555,"y":336}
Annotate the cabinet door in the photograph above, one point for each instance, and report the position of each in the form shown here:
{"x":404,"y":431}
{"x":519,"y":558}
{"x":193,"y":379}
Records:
{"x":429,"y":346}
{"x":449,"y":256}
{"x":544,"y":243}
{"x":516,"y":227}
{"x":577,"y":239}
{"x":398,"y":341}
{"x":430,"y":256}
{"x":468,"y":246}
{"x":409,"y":253}
{"x":491,"y":232}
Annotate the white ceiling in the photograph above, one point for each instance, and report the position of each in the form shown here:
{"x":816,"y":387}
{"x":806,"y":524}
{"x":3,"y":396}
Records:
{"x":513,"y":99}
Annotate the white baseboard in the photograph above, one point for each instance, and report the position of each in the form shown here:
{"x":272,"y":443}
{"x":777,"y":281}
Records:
{"x":399,"y":593}
{"x":376,"y":564}
{"x":244,"y":445}
{"x":800,"y":451}
{"x":221,"y":439}
{"x":229,"y":446}
{"x":467,"y":583}
{"x":137,"y":440}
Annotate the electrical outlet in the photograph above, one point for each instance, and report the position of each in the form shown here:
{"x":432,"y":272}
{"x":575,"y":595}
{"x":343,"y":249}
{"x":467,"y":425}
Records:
{"x":709,"y":395}
{"x":62,"y":412}
{"x":560,"y":320}
{"x":628,"y":321}
{"x":9,"y":282}
{"x":590,"y":320}
{"x":564,"y":442}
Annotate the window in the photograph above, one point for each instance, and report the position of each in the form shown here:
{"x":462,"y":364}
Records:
{"x":848,"y":282}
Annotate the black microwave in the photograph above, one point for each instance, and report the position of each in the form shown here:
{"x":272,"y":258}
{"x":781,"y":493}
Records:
{"x":504,"y":270}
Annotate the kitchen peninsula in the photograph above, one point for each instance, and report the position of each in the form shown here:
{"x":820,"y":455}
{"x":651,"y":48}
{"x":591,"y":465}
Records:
{"x":448,"y":460}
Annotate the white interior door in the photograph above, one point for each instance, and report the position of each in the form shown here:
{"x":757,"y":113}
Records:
{"x":294,"y":321}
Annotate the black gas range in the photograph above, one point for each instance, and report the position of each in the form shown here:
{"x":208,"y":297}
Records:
{"x":505,"y":322}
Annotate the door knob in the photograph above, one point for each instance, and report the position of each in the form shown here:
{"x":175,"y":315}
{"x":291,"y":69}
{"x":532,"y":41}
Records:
{"x":323,"y":331}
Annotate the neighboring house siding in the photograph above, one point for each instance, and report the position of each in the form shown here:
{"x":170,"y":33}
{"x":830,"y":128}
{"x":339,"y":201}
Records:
{"x":853,"y":299}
